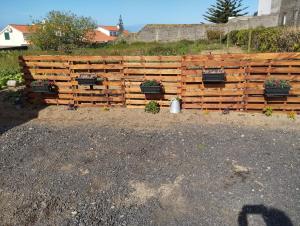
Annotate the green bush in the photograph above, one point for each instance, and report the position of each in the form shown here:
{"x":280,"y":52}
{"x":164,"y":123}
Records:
{"x":268,"y":111}
{"x":152,"y":107}
{"x":9,"y":74}
{"x":278,"y":39}
{"x":214,"y":35}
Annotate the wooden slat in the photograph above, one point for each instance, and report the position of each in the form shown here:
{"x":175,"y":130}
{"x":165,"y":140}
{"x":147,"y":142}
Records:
{"x":48,"y":77}
{"x":152,"y":71}
{"x":46,"y":64}
{"x":95,"y":66}
{"x":152,"y":58}
{"x":44,"y":58}
{"x":151,"y":65}
{"x":48,"y":71}
{"x":94,"y":98}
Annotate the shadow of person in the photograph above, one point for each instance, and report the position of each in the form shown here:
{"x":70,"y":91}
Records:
{"x":271,"y":216}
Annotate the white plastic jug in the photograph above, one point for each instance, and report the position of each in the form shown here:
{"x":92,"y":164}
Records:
{"x":175,"y":106}
{"x":11,"y":83}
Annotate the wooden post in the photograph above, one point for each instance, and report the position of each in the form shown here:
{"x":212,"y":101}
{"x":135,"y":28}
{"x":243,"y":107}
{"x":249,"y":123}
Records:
{"x":228,"y":39}
{"x":249,"y":41}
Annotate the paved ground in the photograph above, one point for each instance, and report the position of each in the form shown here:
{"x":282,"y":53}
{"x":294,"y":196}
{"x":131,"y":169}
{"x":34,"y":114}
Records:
{"x":126,"y":167}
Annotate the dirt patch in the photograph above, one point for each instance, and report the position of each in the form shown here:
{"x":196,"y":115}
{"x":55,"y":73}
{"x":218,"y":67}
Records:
{"x":139,"y":120}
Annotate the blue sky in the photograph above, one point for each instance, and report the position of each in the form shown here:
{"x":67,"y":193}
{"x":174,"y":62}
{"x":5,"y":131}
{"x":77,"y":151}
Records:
{"x":135,"y":12}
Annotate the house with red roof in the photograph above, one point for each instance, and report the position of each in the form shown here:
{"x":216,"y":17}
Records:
{"x":107,"y":33}
{"x":14,"y":35}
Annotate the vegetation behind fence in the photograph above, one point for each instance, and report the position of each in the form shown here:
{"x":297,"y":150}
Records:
{"x":180,"y":76}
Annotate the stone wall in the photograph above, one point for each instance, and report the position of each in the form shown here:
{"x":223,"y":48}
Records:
{"x":177,"y":32}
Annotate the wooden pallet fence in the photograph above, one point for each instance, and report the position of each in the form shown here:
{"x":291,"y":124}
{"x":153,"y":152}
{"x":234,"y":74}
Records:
{"x":213,"y":96}
{"x":283,"y":67}
{"x":52,"y":68}
{"x":180,"y":76}
{"x":164,"y":69}
{"x":109,"y":92}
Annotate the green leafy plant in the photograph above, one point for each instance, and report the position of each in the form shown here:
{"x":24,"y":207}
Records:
{"x":272,"y":83}
{"x":268,"y":111}
{"x":150,"y":83}
{"x":176,"y":98}
{"x":10,"y":74}
{"x":278,"y":39}
{"x":292,"y":115}
{"x":152,"y":107}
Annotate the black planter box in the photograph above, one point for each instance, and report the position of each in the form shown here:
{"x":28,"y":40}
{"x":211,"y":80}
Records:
{"x":150,"y":89}
{"x":86,"y":81}
{"x":44,"y":87}
{"x":213,"y":77}
{"x":277,"y":92}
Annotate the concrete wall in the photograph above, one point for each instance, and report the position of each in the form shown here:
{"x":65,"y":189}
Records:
{"x":290,"y":10}
{"x":177,"y":32}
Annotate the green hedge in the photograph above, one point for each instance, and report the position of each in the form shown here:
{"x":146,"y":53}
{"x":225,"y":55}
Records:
{"x":279,"y":39}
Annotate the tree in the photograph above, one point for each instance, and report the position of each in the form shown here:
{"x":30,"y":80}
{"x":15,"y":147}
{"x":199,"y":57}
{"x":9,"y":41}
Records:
{"x":223,"y":9}
{"x":62,"y":31}
{"x":121,"y":25}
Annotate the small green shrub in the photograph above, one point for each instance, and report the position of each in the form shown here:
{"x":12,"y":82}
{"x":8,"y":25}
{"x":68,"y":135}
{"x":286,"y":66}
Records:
{"x":272,"y":83}
{"x":152,"y":107}
{"x":150,"y":83}
{"x":214,"y":35}
{"x":268,"y":111}
{"x":292,"y":115}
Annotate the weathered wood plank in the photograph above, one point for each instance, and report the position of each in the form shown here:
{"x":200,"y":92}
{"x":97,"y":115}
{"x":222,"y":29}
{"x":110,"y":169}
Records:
{"x":152,"y":58}
{"x":95,"y":66}
{"x":153,"y":71}
{"x":151,"y":65}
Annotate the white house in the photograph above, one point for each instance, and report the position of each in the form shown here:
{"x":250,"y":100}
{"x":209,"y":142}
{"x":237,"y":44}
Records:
{"x":109,"y":30}
{"x":15,"y":35}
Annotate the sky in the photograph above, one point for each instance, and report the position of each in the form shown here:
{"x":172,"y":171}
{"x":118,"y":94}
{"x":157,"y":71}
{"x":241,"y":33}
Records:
{"x":135,"y":13}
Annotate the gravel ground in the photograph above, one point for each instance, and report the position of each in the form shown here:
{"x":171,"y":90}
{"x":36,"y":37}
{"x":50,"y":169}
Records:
{"x":126,"y":167}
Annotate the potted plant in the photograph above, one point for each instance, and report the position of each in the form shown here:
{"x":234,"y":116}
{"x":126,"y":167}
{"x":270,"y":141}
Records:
{"x":88,"y":79}
{"x":277,"y":88}
{"x":213,"y":75}
{"x":43,"y":86}
{"x":151,"y":87}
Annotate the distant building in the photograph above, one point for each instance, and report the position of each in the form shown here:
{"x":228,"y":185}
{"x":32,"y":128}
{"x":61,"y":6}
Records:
{"x":107,"y":33}
{"x":14,"y":35}
{"x":287,"y":11}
